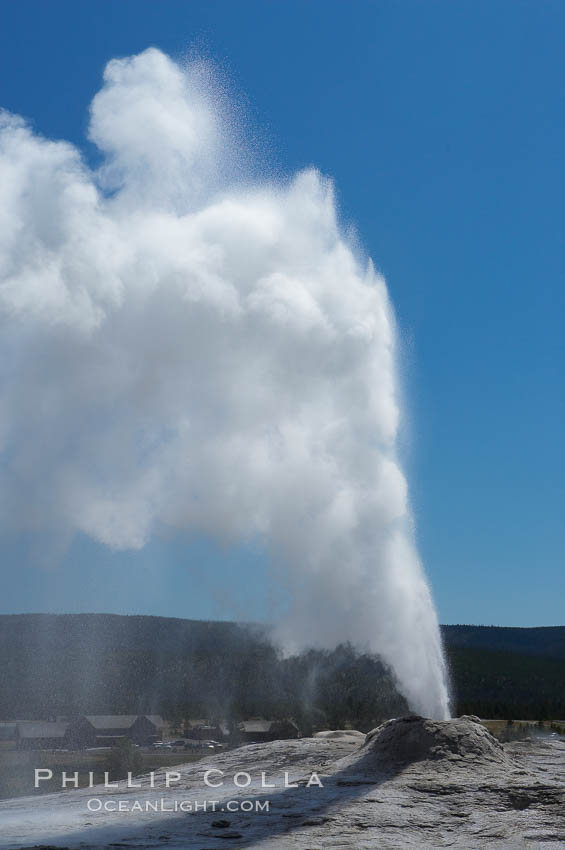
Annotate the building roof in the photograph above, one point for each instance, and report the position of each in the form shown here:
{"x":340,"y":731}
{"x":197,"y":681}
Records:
{"x":112,"y":721}
{"x":255,"y":726}
{"x":111,"y":737}
{"x":31,"y":729}
{"x":121,"y":721}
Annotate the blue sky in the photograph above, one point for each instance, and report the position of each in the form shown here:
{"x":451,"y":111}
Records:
{"x":442,"y":124}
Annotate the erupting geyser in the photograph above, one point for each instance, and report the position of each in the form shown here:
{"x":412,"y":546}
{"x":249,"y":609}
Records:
{"x":179,"y":350}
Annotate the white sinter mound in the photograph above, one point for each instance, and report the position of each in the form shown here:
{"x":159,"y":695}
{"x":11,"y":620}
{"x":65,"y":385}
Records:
{"x":401,"y":742}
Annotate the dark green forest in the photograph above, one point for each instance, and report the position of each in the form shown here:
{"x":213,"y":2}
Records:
{"x":100,"y":663}
{"x":505,"y":673}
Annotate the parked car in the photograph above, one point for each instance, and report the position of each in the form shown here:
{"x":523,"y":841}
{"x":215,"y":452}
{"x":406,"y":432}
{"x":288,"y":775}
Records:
{"x":197,"y":744}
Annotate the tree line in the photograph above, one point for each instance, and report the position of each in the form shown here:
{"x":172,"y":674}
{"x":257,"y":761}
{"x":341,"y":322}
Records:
{"x":53,"y":665}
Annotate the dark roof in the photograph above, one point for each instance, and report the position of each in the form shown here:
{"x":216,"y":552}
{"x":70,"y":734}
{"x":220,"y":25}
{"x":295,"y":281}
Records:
{"x":121,"y":721}
{"x":111,"y":737}
{"x":112,"y":721}
{"x":253,"y":726}
{"x":260,"y":725}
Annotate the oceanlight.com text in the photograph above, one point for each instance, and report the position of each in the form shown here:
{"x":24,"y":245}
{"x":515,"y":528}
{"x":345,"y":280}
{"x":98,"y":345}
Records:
{"x":162,"y":804}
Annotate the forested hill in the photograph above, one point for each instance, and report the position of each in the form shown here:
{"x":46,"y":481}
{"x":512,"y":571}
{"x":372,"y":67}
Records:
{"x":103,"y":663}
{"x":108,"y":664}
{"x":507,"y":672}
{"x":62,"y":632}
{"x":543,"y":640}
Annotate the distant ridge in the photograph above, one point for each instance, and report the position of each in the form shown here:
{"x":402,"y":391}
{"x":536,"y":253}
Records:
{"x":65,"y":664}
{"x":533,"y":640}
{"x":132,"y":628}
{"x":111,"y":663}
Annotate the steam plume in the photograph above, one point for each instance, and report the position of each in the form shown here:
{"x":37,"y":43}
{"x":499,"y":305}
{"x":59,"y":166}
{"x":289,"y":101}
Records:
{"x":177,"y":351}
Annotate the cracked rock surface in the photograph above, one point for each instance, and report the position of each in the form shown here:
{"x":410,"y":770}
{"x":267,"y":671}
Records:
{"x":411,"y":784}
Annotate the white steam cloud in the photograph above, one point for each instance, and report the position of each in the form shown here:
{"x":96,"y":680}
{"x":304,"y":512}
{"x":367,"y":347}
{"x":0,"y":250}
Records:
{"x":177,"y":351}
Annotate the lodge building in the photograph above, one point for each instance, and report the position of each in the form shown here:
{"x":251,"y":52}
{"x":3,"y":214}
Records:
{"x":93,"y":730}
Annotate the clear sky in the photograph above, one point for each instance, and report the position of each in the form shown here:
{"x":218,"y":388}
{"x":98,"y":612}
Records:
{"x":442,"y":124}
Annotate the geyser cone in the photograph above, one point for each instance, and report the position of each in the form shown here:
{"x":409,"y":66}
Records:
{"x":187,"y":353}
{"x":459,"y":744}
{"x":411,"y":739}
